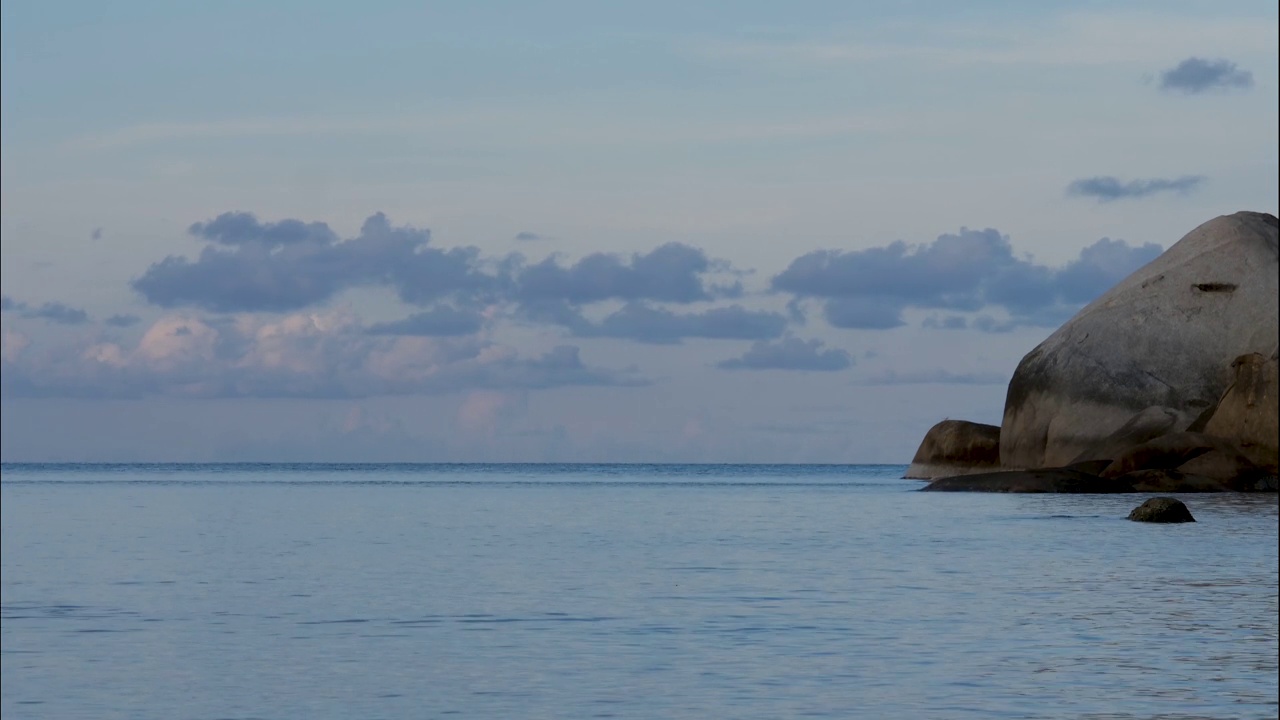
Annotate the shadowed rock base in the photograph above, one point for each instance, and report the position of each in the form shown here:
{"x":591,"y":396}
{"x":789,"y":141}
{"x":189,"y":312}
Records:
{"x":1077,"y":479}
{"x":1041,"y":480}
{"x":1162,"y":510}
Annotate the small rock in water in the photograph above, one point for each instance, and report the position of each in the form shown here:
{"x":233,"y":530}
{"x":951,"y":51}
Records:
{"x":1162,"y":510}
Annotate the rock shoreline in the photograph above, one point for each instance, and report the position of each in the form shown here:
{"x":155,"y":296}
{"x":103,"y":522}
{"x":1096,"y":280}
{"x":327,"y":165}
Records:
{"x":1165,"y":383}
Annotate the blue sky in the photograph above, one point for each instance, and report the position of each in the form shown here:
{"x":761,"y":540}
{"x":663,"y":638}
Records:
{"x":586,"y":231}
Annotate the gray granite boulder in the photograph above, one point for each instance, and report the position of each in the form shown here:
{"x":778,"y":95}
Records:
{"x":1166,"y":336}
{"x":956,"y":447}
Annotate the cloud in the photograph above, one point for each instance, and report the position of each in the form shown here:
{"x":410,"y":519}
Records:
{"x":96,"y":234}
{"x":438,"y":322}
{"x":789,"y":353}
{"x":54,"y":312}
{"x":963,"y":273}
{"x":1100,"y":267}
{"x":1196,"y":75}
{"x":673,"y":272}
{"x":864,"y":313}
{"x":241,"y":228}
{"x":122,"y":321}
{"x":939,"y":376}
{"x":301,"y":355}
{"x":950,"y":322}
{"x":526,"y":236}
{"x":12,"y":344}
{"x":248,"y":265}
{"x":484,"y":411}
{"x":289,"y":265}
{"x":640,"y":322}
{"x":1109,"y":188}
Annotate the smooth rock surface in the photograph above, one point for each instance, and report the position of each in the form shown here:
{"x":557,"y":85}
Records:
{"x":1165,"y":336}
{"x":956,"y":447}
{"x":1162,"y":510}
{"x":1247,"y":413}
{"x":1147,"y":424}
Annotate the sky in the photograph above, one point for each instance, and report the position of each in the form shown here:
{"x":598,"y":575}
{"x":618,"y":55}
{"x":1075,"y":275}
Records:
{"x":581,"y":231}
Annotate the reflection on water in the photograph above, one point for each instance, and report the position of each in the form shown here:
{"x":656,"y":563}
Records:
{"x":620,"y":591}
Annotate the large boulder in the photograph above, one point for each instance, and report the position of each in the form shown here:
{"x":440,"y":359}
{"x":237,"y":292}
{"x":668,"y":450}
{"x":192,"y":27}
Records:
{"x":956,"y":447}
{"x":1247,"y":413}
{"x":1165,"y":336}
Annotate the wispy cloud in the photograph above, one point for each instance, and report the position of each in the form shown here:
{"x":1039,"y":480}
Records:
{"x":1072,"y":39}
{"x":1108,"y":188}
{"x":441,"y":321}
{"x":54,"y":312}
{"x":790,"y":353}
{"x":1196,"y":75}
{"x":122,"y":321}
{"x":642,"y":323}
{"x":941,"y":377}
{"x":301,"y":355}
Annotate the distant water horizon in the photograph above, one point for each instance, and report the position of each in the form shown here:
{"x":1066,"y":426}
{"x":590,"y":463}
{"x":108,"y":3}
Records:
{"x":623,"y":590}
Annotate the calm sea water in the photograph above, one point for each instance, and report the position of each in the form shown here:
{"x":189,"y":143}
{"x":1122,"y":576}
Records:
{"x":282,"y":591}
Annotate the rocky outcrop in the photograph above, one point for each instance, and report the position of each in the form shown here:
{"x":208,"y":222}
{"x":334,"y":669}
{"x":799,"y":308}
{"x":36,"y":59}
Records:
{"x":956,"y":447}
{"x":1247,"y":413}
{"x":1040,"y":480}
{"x":1162,"y":510}
{"x":1164,"y":337}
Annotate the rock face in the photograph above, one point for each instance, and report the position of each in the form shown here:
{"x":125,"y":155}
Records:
{"x":1147,"y":425}
{"x":1166,"y":337}
{"x":1176,"y":481}
{"x":1165,"y":453}
{"x":1162,"y":510}
{"x":956,"y":447}
{"x":1247,"y":413}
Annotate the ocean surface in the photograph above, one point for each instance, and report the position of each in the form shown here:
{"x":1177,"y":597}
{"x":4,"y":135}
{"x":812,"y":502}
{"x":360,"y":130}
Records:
{"x":626,"y":591}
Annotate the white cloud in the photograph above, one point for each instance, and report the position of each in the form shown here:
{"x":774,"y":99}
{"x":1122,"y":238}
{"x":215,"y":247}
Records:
{"x":325,"y":354}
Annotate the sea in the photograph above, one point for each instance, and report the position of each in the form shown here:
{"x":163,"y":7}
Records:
{"x":620,"y":591}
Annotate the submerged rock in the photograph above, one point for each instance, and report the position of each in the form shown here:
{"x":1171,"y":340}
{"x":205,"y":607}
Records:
{"x":1164,"y":337}
{"x":956,"y":447}
{"x":1162,"y":510}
